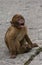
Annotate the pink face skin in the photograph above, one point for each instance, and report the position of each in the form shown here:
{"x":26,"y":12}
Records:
{"x":21,"y":23}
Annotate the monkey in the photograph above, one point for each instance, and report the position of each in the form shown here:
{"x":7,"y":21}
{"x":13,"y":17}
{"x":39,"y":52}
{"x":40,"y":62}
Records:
{"x":16,"y":37}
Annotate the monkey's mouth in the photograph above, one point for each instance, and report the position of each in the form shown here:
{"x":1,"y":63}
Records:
{"x":22,"y":24}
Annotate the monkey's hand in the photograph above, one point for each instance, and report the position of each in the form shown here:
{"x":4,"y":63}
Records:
{"x":34,"y":45}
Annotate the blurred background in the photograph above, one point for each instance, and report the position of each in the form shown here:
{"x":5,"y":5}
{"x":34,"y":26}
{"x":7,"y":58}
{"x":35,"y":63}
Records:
{"x":31,"y":11}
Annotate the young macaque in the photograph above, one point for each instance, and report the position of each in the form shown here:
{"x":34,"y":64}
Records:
{"x":16,"y":37}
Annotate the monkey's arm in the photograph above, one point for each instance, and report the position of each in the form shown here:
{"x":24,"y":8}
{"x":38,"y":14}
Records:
{"x":30,"y":42}
{"x":28,"y":39}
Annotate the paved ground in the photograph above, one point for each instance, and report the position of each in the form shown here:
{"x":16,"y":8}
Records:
{"x":32,"y":12}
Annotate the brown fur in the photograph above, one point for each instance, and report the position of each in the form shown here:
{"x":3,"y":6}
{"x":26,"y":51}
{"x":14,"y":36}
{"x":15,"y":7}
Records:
{"x":15,"y":38}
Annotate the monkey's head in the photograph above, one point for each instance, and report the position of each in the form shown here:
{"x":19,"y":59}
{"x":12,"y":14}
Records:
{"x":18,"y":21}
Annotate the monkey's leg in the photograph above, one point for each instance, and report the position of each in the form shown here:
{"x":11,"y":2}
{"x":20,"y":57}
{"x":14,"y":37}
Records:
{"x":21,"y":48}
{"x":12,"y":50}
{"x":24,"y":48}
{"x":18,"y":46}
{"x":12,"y":47}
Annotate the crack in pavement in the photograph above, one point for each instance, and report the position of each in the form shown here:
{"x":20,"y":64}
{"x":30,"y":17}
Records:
{"x":33,"y":56}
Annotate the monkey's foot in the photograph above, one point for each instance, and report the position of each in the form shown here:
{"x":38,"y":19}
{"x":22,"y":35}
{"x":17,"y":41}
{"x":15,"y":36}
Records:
{"x":13,"y":56}
{"x":34,"y":45}
{"x":28,"y":46}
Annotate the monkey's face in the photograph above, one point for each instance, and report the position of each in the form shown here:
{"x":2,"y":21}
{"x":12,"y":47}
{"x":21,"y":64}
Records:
{"x":21,"y":23}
